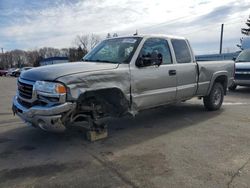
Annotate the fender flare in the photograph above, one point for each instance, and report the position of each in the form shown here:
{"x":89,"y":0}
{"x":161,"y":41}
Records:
{"x":215,"y":76}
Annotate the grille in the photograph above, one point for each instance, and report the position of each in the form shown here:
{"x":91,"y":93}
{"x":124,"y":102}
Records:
{"x":242,"y":70}
{"x":26,"y":104}
{"x":242,"y":76}
{"x":25,"y":90}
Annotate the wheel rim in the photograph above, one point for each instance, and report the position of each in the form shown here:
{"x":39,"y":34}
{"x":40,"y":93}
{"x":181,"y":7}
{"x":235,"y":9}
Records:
{"x":217,"y":97}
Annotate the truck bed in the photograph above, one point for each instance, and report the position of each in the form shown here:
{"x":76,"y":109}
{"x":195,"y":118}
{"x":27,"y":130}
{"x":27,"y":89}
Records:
{"x":207,"y":70}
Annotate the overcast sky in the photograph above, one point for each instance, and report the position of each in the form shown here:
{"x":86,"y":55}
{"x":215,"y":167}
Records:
{"x":26,"y":24}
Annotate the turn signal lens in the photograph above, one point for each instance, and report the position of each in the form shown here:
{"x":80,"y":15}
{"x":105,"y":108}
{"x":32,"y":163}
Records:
{"x":60,"y":89}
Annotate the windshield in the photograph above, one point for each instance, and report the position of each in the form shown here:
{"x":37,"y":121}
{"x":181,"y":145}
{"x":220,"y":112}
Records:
{"x":115,"y":50}
{"x":244,"y":56}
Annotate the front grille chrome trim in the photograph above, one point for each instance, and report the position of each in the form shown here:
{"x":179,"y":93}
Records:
{"x":25,"y":90}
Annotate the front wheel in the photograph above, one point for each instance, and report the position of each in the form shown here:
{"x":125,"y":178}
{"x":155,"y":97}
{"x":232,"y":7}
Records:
{"x":215,"y":98}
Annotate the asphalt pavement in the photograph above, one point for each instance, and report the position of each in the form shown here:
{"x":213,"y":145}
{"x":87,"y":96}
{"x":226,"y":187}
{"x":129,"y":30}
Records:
{"x":180,"y":145}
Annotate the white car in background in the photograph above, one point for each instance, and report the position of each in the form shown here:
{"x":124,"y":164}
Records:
{"x":242,"y":70}
{"x":10,"y":71}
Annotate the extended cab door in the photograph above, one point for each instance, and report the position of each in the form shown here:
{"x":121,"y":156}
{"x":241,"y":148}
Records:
{"x":186,"y":69}
{"x":153,"y":85}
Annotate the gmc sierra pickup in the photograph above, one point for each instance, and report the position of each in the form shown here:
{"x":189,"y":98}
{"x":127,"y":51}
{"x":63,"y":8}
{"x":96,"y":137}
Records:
{"x":120,"y":76}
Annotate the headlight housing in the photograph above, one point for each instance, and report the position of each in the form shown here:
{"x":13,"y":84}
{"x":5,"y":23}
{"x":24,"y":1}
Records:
{"x":49,"y":87}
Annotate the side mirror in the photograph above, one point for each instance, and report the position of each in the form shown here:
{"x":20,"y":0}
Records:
{"x":234,"y":58}
{"x":139,"y":62}
{"x":149,"y":60}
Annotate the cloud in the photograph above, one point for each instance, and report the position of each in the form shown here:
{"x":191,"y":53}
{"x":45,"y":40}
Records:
{"x":34,"y":24}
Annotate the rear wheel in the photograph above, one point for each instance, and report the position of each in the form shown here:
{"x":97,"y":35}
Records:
{"x":215,"y":98}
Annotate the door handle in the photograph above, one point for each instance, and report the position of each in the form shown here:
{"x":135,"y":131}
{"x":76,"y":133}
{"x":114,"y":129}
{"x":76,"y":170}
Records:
{"x":172,"y":72}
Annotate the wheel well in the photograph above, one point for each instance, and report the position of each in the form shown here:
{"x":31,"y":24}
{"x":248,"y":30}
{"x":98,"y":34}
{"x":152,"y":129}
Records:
{"x":223,"y":80}
{"x":112,"y":100}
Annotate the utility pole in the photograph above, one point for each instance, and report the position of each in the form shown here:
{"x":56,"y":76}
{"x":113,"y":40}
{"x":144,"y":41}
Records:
{"x":221,"y":37}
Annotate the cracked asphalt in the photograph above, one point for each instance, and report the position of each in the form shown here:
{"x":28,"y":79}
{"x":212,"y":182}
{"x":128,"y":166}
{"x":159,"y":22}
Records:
{"x":175,"y":146}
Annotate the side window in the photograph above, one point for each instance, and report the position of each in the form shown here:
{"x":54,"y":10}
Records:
{"x":155,"y":45}
{"x":181,"y":50}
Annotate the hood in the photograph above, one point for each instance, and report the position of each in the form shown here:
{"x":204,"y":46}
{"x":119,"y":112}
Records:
{"x":245,"y":65}
{"x":52,"y":72}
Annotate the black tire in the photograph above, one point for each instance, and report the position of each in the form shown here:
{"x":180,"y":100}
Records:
{"x":215,"y":98}
{"x":232,"y":87}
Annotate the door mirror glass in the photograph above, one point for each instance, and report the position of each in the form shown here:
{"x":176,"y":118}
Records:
{"x":149,"y":59}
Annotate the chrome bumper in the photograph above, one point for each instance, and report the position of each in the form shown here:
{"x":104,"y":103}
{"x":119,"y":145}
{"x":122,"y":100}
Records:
{"x":47,"y":118}
{"x":242,"y":82}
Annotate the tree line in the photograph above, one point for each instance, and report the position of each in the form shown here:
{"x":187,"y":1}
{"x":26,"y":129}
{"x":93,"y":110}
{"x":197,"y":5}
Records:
{"x":22,"y":58}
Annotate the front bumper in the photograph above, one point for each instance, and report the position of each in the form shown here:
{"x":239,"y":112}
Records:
{"x":47,"y":118}
{"x":242,"y":82}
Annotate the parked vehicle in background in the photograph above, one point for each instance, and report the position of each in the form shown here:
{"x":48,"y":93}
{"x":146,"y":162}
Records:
{"x":120,"y":76}
{"x":3,"y":72}
{"x":242,"y":70}
{"x":15,"y":72}
{"x":19,"y":71}
{"x":245,"y":43}
{"x":10,"y":71}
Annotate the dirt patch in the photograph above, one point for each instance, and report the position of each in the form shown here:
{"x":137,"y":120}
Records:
{"x":144,"y":167}
{"x":3,"y":140}
{"x":8,"y":121}
{"x":39,"y":170}
{"x":26,"y":148}
{"x":5,"y":154}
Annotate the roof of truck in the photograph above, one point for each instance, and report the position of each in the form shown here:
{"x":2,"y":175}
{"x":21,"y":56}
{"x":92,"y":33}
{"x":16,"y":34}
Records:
{"x":153,"y":35}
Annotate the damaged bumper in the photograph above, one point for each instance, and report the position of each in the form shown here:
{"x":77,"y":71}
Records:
{"x":47,"y":118}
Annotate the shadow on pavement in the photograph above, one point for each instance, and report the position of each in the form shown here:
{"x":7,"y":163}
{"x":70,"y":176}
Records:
{"x":123,"y":132}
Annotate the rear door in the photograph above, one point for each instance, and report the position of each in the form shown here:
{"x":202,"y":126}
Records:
{"x":186,"y":69}
{"x":154,"y":85}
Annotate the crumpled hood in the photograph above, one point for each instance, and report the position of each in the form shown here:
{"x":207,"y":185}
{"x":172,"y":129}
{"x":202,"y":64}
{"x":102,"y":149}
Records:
{"x":52,"y":72}
{"x":245,"y":65}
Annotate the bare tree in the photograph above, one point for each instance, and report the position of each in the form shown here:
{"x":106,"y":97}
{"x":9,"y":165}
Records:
{"x":94,"y":40}
{"x":82,"y":41}
{"x":76,"y":54}
{"x":20,"y":58}
{"x":49,"y":52}
{"x":33,"y":58}
{"x":64,"y":52}
{"x":87,"y":42}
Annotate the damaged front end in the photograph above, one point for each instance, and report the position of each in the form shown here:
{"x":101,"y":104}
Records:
{"x":49,"y":105}
{"x":41,"y":107}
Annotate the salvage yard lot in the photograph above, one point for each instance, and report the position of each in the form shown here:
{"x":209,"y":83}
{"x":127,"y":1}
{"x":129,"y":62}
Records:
{"x":173,"y":146}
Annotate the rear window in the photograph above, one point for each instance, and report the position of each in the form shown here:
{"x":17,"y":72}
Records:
{"x":182,"y":52}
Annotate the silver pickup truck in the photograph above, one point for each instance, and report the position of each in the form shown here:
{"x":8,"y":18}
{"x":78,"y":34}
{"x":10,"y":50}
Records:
{"x":120,"y":76}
